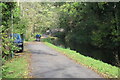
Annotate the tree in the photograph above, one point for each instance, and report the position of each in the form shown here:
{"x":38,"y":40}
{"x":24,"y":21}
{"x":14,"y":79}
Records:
{"x":93,"y":25}
{"x":40,"y":17}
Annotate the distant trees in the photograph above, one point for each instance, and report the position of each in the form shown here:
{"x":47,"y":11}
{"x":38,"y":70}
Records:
{"x":39,"y":17}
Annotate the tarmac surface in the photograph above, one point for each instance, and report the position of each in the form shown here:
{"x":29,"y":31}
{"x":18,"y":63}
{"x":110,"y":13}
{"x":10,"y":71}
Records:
{"x":48,"y":63}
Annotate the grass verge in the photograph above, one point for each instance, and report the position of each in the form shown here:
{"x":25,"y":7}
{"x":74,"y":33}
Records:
{"x":17,"y":67}
{"x":102,"y":68}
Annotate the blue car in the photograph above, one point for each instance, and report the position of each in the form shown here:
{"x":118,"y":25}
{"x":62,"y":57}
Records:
{"x":38,"y":36}
{"x":18,"y":41}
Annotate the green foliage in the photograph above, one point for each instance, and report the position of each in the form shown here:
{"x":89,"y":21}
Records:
{"x":6,"y":12}
{"x":95,"y":24}
{"x":91,"y":20}
{"x":101,"y":67}
{"x":11,"y":23}
{"x":39,"y":16}
{"x":49,"y":39}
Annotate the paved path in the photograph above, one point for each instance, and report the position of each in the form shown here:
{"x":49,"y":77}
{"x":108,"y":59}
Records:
{"x":48,"y":63}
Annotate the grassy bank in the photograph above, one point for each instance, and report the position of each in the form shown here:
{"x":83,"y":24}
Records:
{"x":104,"y":69}
{"x":17,"y":67}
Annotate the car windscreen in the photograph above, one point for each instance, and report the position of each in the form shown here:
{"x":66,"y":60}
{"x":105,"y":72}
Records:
{"x":17,"y":36}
